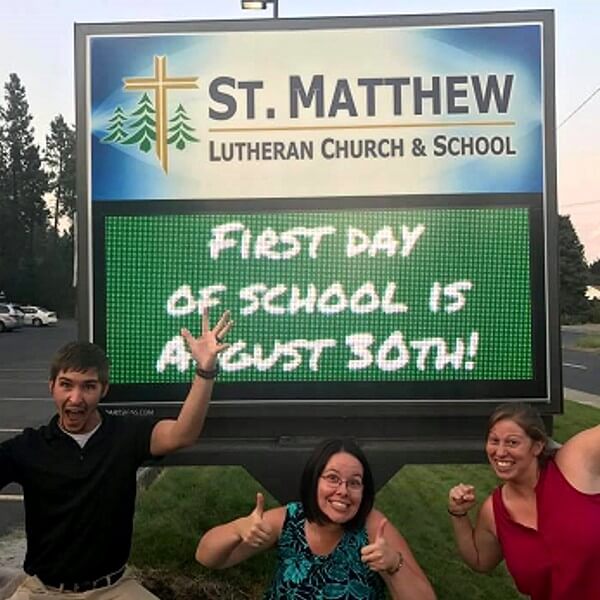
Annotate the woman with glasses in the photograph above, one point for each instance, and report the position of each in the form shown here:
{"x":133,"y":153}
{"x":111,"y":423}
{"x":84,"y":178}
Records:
{"x":331,"y":544}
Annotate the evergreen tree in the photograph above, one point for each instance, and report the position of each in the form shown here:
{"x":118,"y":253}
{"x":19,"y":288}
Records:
{"x":595,"y":272}
{"x":23,"y":187}
{"x":180,"y":130}
{"x":60,"y":160}
{"x":5,"y":215}
{"x":145,"y":125}
{"x":117,"y":130}
{"x":54,"y":275}
{"x":574,"y":306}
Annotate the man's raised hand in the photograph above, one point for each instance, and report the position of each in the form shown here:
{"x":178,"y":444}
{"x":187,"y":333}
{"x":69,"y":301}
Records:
{"x":204,"y":349}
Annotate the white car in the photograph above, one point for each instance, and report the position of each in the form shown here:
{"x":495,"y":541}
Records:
{"x":7,"y":322}
{"x":14,"y":311}
{"x":37,"y":316}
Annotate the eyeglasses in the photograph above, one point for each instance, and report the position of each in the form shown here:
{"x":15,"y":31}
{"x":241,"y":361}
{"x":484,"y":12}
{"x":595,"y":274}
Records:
{"x":334,"y":481}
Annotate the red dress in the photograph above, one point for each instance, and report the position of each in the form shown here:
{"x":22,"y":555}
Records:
{"x":561,"y":559}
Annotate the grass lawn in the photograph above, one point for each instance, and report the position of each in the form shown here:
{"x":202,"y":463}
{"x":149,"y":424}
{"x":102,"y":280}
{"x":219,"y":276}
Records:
{"x":185,"y":501}
{"x":589,"y":342}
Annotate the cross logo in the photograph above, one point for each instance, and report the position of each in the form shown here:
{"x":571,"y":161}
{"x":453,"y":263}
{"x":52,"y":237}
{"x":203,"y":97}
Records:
{"x":151,"y":122}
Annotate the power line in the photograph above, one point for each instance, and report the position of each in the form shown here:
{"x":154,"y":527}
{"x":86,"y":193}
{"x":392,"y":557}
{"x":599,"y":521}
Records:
{"x":579,"y":107}
{"x":581,"y":203}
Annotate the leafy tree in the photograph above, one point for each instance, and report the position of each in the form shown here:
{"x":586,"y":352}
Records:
{"x":23,"y":186}
{"x":145,"y":125}
{"x":574,"y":307}
{"x":181,"y":132}
{"x":60,"y":160}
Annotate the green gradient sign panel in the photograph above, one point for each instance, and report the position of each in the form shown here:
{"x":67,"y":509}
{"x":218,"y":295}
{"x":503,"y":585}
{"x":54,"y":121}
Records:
{"x":393,"y":295}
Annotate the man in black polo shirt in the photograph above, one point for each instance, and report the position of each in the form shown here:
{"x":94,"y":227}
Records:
{"x":78,"y":473}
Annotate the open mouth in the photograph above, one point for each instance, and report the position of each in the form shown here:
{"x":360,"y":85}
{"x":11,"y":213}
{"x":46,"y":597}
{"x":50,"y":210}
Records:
{"x":74,"y":411}
{"x":339,"y":506}
{"x":503,"y":465}
{"x":74,"y":414}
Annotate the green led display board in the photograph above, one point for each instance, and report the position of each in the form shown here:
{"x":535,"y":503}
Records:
{"x":335,"y":296}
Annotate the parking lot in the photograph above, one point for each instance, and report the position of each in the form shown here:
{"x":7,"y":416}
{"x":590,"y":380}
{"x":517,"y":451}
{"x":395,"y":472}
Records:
{"x":25,"y":356}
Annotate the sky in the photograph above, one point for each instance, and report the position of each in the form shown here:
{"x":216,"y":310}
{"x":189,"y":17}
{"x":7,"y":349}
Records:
{"x":37,"y":44}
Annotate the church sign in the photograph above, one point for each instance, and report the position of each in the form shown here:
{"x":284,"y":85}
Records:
{"x":374,"y":199}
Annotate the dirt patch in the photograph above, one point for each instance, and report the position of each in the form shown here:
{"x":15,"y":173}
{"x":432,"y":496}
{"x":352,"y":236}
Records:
{"x":168,"y":586}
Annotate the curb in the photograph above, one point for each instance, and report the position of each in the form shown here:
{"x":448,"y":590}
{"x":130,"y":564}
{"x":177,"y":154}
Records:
{"x":582,"y":397}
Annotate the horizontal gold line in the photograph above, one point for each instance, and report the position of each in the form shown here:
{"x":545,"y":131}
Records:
{"x":164,"y":80}
{"x":386,"y":126}
{"x":163,"y":86}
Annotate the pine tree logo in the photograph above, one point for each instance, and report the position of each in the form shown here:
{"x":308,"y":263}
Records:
{"x":181,"y":131}
{"x":148,"y":124}
{"x":116,"y":129}
{"x":144,"y":127}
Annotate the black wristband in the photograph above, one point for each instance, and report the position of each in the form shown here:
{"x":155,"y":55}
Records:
{"x":207,"y":374}
{"x":457,"y":514}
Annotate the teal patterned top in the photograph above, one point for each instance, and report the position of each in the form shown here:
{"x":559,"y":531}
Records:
{"x":302,"y":575}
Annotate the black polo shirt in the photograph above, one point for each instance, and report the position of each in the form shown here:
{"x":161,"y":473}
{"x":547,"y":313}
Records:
{"x":79,"y":502}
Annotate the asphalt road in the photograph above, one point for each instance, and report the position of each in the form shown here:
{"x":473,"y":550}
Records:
{"x":581,"y":369}
{"x":25,"y":356}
